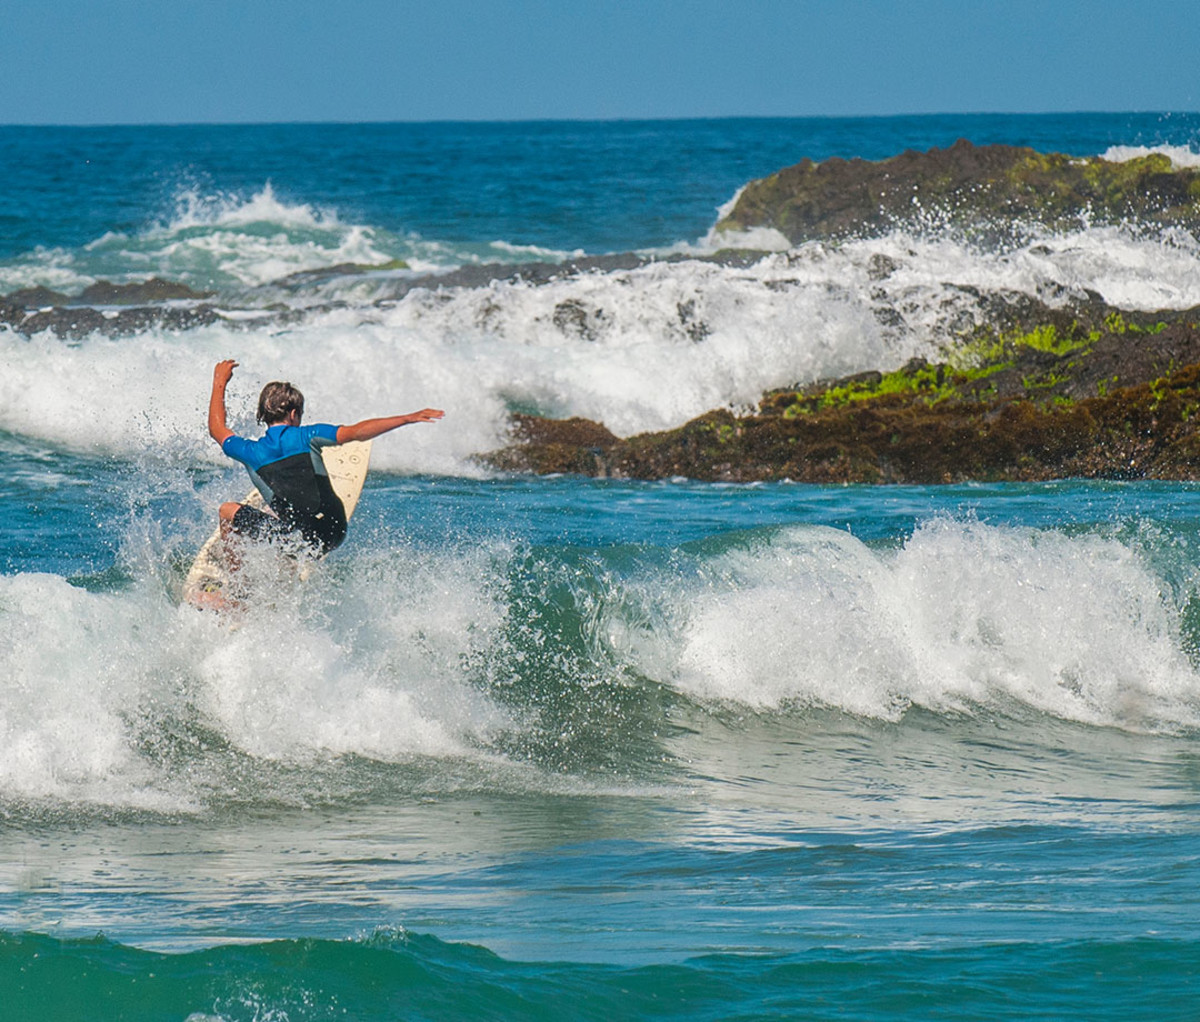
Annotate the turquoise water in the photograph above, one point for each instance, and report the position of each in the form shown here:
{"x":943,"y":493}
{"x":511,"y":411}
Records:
{"x":566,"y":748}
{"x":651,"y":786}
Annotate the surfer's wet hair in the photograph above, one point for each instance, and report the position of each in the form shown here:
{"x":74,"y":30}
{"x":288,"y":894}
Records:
{"x":277,"y":401}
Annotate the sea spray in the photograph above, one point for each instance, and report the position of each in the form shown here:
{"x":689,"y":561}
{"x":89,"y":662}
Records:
{"x":374,"y":669}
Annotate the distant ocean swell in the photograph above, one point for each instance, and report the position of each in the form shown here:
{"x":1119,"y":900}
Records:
{"x":391,"y":975}
{"x":258,"y":247}
{"x":232,"y":246}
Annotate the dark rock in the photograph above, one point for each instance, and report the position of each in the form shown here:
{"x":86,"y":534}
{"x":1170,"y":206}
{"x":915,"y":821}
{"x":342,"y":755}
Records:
{"x":38,"y":298}
{"x":544,"y":446}
{"x":738,"y":258}
{"x":130,"y":321}
{"x":307,"y":278}
{"x":544,"y":273}
{"x":73,"y":323}
{"x":533,"y":273}
{"x":154,"y":290}
{"x":575,"y":431}
{"x":76,"y":322}
{"x":870,"y":378}
{"x":880,"y":267}
{"x":692,"y":324}
{"x":11,"y":314}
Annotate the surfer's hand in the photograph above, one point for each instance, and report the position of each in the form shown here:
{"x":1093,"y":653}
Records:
{"x":427,"y":415}
{"x":223,"y":372}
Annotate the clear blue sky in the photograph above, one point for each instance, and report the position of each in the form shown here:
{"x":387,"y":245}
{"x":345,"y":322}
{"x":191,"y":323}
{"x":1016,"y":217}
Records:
{"x":155,"y":61}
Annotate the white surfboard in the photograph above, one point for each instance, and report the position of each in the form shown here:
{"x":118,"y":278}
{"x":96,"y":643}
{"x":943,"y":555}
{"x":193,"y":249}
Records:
{"x":209,"y":574}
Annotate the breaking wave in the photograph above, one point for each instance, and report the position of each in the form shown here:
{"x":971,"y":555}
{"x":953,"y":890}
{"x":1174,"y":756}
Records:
{"x":513,"y":665}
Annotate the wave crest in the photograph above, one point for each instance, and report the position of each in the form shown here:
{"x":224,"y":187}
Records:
{"x":962,"y":615}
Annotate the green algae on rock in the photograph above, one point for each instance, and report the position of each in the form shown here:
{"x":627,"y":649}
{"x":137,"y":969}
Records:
{"x":1118,"y":397}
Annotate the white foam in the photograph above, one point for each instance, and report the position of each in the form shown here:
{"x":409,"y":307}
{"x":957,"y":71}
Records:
{"x":53,"y":268}
{"x":212,"y":241}
{"x":538,"y":252}
{"x":222,"y":240}
{"x":473,"y":352}
{"x":1182,"y":157}
{"x":67,"y":692}
{"x":963,"y":615}
{"x":95,"y":684}
{"x":642,"y":349}
{"x":383,"y":680}
{"x":759,"y":239}
{"x":727,"y":207}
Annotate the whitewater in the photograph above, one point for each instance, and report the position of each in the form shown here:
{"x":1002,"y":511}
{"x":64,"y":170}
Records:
{"x":555,"y":747}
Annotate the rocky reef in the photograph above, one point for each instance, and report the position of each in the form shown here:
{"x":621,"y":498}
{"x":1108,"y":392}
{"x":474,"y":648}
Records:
{"x":107,"y":308}
{"x":988,"y":188}
{"x":1093,"y":393}
{"x":1034,"y":392}
{"x":1021,"y":389}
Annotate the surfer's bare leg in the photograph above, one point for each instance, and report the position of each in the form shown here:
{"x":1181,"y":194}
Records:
{"x":228,"y":537}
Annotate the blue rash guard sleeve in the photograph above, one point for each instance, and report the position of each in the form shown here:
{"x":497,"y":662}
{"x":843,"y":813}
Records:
{"x":323,"y":434}
{"x":238,"y":448}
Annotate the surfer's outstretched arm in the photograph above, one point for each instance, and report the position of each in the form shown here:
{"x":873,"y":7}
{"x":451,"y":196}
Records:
{"x":216,"y":404}
{"x":369,"y":429}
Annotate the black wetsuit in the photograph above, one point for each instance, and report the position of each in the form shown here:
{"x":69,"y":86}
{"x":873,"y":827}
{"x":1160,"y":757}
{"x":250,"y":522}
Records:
{"x":287,"y":470}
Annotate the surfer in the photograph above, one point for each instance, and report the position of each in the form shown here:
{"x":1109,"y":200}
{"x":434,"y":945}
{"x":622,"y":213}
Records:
{"x":286,"y":467}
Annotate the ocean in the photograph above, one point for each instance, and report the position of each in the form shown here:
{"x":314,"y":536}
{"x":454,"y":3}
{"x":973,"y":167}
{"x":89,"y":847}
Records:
{"x":564,"y":748}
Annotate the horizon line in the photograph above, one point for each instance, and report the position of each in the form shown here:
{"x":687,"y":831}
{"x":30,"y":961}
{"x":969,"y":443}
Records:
{"x":597,"y":120}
